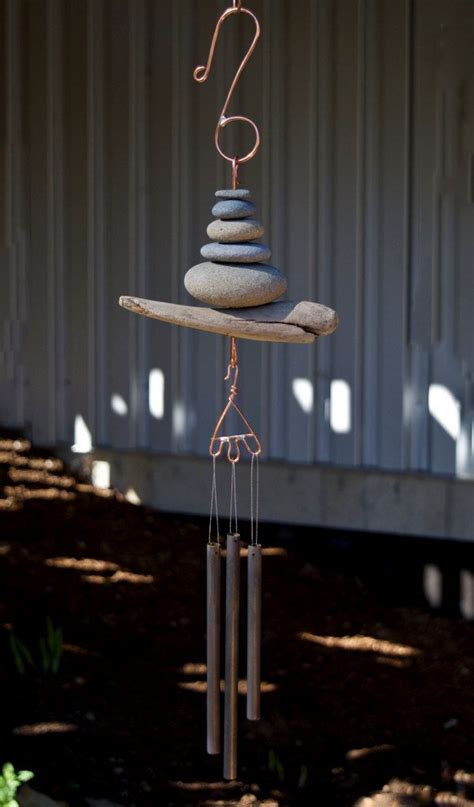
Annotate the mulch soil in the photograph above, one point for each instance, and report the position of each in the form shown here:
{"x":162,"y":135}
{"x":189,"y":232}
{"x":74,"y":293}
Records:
{"x":358,"y":694}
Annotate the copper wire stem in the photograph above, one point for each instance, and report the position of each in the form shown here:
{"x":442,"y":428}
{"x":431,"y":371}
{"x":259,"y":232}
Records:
{"x":234,"y":442}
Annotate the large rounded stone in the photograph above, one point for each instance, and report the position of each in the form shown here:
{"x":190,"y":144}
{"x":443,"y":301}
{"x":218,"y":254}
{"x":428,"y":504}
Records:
{"x":236,"y":253}
{"x":238,"y":193}
{"x":233,"y":209}
{"x":224,"y":285}
{"x":233,"y":232}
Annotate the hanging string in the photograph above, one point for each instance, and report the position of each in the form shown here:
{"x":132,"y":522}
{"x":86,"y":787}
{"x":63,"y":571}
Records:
{"x":213,"y":508}
{"x":254,"y":498}
{"x":233,"y":501}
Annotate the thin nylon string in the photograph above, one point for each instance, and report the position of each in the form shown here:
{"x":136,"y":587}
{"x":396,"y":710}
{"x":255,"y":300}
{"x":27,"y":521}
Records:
{"x":233,"y":502}
{"x":254,"y":498}
{"x":214,"y":504}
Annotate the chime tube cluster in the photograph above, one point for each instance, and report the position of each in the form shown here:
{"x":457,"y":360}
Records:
{"x":254,"y":629}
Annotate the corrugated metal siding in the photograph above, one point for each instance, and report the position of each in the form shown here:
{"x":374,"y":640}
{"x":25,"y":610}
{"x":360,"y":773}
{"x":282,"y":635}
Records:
{"x":365,"y":185}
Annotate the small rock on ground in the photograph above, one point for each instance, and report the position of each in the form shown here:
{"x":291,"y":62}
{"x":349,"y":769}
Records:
{"x":27,"y":797}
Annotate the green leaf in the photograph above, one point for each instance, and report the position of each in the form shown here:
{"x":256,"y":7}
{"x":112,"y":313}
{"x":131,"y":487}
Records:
{"x":8,"y":771}
{"x":25,"y":776}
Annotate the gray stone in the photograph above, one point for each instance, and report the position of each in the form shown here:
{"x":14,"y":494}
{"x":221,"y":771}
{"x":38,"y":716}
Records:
{"x":227,"y":285}
{"x":233,"y":209}
{"x":238,"y":193}
{"x":295,"y":323}
{"x":236,"y":253}
{"x":27,"y":797}
{"x":233,"y":232}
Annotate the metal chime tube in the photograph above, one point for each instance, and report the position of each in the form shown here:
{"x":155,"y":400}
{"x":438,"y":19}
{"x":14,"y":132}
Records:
{"x":254,"y":630}
{"x":231,"y":655}
{"x":213,"y":648}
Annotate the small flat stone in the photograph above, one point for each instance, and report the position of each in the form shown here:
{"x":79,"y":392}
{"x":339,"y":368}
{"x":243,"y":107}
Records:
{"x":295,"y":323}
{"x":233,"y":209}
{"x":233,"y":232}
{"x":238,"y":193}
{"x":236,"y":253}
{"x":226,"y":285}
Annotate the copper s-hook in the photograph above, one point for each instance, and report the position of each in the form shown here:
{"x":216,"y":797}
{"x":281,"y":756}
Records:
{"x":233,"y":441}
{"x":201,"y":74}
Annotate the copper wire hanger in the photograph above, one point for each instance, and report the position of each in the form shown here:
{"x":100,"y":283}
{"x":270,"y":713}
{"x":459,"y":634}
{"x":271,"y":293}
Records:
{"x":201,"y":74}
{"x":233,"y":441}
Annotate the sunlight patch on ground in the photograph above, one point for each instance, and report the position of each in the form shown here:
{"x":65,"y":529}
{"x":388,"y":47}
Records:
{"x":103,"y":493}
{"x":82,"y":564}
{"x":10,"y":504}
{"x":367,"y":644}
{"x":35,"y":729}
{"x":196,"y":786}
{"x":47,"y":494}
{"x":37,"y":476}
{"x":362,"y":753}
{"x":390,"y":661}
{"x":77,"y":650}
{"x":193,"y":669}
{"x":120,"y":576}
{"x":201,"y":686}
{"x":15,"y":445}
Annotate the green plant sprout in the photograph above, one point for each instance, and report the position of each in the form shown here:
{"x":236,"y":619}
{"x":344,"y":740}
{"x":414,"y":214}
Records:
{"x":51,"y":648}
{"x":10,"y":781}
{"x":275,"y":765}
{"x":21,"y":654}
{"x":50,"y":651}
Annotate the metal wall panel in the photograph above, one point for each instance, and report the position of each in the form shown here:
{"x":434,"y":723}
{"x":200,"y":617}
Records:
{"x":365,"y":183}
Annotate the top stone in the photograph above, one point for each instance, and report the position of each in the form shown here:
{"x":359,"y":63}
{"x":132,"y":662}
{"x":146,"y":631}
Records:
{"x":238,"y":193}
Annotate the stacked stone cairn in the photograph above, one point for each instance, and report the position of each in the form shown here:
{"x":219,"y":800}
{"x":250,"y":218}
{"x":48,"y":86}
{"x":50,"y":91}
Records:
{"x":234,"y":274}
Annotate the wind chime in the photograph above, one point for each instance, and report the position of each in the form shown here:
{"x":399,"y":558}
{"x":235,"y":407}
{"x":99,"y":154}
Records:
{"x":241,"y":293}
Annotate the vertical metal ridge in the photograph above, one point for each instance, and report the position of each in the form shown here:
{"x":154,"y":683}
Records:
{"x":95,"y":216}
{"x":372,"y":236}
{"x":278,"y":90}
{"x":360,"y":222}
{"x":137,"y":243}
{"x":55,"y":220}
{"x":10,"y":224}
{"x":325,"y":173}
{"x":407,"y":234}
{"x":266,"y":207}
{"x":132,"y":240}
{"x":175,"y":205}
{"x":313,"y":214}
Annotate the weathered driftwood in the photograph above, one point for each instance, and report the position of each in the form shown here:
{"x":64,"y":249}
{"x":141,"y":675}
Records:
{"x":297,"y":323}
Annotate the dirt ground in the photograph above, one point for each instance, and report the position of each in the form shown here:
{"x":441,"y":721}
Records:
{"x":358,"y":694}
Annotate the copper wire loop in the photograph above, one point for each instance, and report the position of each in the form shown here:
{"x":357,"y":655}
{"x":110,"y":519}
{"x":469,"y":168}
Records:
{"x":201,"y":74}
{"x":233,"y":442}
